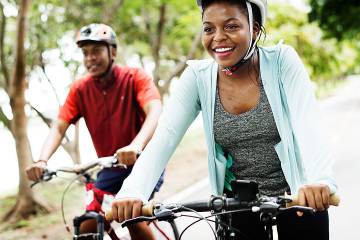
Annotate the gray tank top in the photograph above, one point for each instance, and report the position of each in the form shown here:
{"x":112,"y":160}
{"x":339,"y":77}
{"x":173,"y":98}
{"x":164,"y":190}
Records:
{"x":250,"y":138}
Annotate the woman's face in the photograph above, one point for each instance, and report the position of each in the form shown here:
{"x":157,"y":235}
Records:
{"x":226,"y":33}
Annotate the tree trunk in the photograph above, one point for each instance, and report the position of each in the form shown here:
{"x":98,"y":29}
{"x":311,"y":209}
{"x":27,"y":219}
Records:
{"x":181,"y":65}
{"x":110,"y":10}
{"x":157,"y":43}
{"x":72,"y":147}
{"x":26,"y":203}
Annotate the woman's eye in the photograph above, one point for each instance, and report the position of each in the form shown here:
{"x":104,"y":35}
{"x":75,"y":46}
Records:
{"x":207,"y":29}
{"x":231,"y":27}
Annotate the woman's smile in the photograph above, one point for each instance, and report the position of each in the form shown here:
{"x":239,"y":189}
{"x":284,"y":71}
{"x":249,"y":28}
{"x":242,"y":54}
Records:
{"x":223,"y":52}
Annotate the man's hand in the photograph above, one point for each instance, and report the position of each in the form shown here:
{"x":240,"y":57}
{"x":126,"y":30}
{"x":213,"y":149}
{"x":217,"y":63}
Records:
{"x":35,"y":171}
{"x":127,"y":155}
{"x":315,"y":196}
{"x":126,"y":208}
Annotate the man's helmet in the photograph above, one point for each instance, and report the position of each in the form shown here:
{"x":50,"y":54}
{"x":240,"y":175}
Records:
{"x":96,"y":32}
{"x":261,"y":4}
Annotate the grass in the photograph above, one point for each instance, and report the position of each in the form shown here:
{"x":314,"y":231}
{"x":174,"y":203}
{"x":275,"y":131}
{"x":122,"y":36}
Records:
{"x":39,"y":226}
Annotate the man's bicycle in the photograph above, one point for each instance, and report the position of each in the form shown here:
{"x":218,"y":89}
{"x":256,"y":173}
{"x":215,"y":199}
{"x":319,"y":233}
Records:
{"x":246,"y":199}
{"x":84,"y":174}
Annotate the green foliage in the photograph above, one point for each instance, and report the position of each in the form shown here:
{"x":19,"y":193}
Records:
{"x":339,"y":18}
{"x":22,"y":223}
{"x":134,"y":29}
{"x":135,"y":23}
{"x":325,"y":59}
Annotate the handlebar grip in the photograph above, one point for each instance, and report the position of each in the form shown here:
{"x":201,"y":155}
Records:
{"x":146,"y":210}
{"x":334,"y":200}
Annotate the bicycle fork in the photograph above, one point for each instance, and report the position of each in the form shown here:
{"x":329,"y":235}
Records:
{"x":224,"y":232}
{"x":267,"y":220}
{"x":89,"y":215}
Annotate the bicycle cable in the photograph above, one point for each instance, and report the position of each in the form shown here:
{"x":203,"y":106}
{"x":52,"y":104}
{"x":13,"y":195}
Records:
{"x":230,"y":227}
{"x":210,"y":220}
{"x":200,"y":217}
{"x":62,"y":202}
{"x":229,"y":212}
{"x":160,"y":230}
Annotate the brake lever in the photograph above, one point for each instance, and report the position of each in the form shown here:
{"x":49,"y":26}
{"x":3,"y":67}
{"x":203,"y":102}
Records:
{"x":110,"y":162}
{"x":283,"y":200}
{"x":165,"y":214}
{"x":307,"y":210}
{"x":34,"y":183}
{"x":46,"y":176}
{"x":136,"y":220}
{"x":120,"y":165}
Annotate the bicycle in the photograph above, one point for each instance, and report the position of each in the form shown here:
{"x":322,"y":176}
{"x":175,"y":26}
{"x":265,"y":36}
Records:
{"x":84,"y":174}
{"x":221,"y":207}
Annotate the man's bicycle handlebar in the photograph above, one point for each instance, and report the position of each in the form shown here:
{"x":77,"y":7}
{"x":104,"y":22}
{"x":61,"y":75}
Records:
{"x":81,"y":169}
{"x":263,"y":204}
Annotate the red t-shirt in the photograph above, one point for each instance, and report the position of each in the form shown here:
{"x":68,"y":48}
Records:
{"x":113,"y":113}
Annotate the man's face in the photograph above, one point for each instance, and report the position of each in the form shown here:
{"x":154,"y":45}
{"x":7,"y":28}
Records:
{"x":96,"y":58}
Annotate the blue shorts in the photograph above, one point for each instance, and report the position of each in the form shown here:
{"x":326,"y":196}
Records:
{"x":111,"y":179}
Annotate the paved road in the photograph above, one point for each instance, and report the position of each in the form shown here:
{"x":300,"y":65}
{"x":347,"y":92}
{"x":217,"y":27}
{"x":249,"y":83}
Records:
{"x":341,"y":114}
{"x":343,"y":122}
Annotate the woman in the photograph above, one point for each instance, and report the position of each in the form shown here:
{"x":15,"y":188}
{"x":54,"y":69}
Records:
{"x":259,"y":113}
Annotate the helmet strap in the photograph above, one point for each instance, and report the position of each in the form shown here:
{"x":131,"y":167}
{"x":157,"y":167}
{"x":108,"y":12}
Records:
{"x":109,"y":68}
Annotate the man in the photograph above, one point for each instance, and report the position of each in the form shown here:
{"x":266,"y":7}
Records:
{"x":121,"y":107}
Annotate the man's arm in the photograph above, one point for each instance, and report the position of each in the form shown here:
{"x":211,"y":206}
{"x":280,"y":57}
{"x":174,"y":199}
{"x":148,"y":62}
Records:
{"x":54,"y":139}
{"x":51,"y":143}
{"x":152,"y":110}
{"x":127,"y":155}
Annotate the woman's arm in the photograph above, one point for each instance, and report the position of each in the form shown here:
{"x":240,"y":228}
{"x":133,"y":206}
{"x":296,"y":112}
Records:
{"x":305,"y":119}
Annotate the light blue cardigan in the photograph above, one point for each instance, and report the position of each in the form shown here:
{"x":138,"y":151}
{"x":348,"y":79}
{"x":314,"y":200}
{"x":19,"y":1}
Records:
{"x":303,"y":152}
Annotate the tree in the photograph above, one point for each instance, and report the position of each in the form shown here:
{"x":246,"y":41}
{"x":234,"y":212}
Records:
{"x":26,"y":203}
{"x":22,"y":65}
{"x":42,"y":18}
{"x":339,"y":18}
{"x":327,"y":60}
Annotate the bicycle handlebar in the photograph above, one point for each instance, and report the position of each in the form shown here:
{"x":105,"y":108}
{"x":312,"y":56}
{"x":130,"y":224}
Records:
{"x":105,"y":162}
{"x":152,"y":210}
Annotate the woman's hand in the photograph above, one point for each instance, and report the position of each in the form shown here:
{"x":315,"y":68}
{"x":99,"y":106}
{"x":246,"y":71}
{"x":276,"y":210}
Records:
{"x":126,"y":208}
{"x":315,"y":196}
